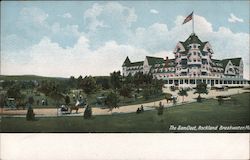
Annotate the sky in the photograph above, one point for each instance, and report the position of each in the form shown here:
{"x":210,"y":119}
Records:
{"x":72,"y":38}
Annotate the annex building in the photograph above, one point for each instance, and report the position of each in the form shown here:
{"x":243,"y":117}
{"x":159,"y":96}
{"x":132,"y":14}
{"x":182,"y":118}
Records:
{"x":193,"y":64}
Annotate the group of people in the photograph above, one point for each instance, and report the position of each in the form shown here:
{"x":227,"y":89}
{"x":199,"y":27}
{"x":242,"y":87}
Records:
{"x":140,"y":109}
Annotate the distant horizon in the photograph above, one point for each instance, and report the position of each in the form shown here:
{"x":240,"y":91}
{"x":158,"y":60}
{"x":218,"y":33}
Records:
{"x":94,"y":37}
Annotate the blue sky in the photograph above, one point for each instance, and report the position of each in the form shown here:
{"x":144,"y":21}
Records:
{"x":72,"y":37}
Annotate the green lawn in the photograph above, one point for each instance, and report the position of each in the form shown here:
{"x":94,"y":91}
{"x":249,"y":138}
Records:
{"x":206,"y":113}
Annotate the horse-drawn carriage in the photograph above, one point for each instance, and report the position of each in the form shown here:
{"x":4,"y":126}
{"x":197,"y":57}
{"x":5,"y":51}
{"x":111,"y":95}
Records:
{"x":12,"y":103}
{"x":67,"y":109}
{"x":171,"y":98}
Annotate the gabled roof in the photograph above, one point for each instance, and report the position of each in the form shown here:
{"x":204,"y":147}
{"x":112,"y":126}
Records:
{"x":235,"y":61}
{"x":126,"y":62}
{"x":154,"y":60}
{"x":193,"y":38}
{"x":139,"y":63}
{"x":217,"y":63}
{"x":224,"y":62}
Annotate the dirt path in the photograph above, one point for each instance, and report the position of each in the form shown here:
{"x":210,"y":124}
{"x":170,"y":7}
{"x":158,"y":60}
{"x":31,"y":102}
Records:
{"x":52,"y":112}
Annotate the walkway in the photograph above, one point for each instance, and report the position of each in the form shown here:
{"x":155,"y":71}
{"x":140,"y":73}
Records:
{"x":52,"y":112}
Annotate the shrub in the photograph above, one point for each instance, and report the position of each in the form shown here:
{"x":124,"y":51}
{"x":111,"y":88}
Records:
{"x":160,"y":109}
{"x":88,"y":112}
{"x":30,"y":116}
{"x":146,"y":93}
{"x":199,"y":99}
{"x":220,"y":100}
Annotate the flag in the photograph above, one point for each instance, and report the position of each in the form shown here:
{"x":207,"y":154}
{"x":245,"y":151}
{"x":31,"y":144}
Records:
{"x":189,"y":17}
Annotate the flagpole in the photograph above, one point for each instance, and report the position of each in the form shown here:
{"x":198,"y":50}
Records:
{"x":193,"y":22}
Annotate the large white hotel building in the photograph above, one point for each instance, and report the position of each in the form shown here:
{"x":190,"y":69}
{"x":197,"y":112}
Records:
{"x":193,"y":64}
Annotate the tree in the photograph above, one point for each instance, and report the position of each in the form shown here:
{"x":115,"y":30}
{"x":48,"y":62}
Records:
{"x":88,"y":84}
{"x":67,"y":100}
{"x":183,"y":93}
{"x":201,"y":89}
{"x":138,"y":80}
{"x":126,"y":91}
{"x":88,"y":112}
{"x":72,"y":82}
{"x":116,"y":80}
{"x":14,"y":92}
{"x":78,"y":82}
{"x":112,"y":101}
{"x":56,"y":94}
{"x":104,"y":81}
{"x":146,"y":93}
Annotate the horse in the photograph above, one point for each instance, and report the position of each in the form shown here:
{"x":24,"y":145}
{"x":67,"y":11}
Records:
{"x":169,"y":98}
{"x":74,"y":108}
{"x":77,"y":106}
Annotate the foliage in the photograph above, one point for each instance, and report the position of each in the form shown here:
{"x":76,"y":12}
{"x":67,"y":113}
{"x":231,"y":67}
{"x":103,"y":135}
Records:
{"x":72,"y":82}
{"x":30,"y":113}
{"x":199,"y":99}
{"x":201,"y":89}
{"x":103,"y":81}
{"x":30,"y":116}
{"x":116,"y":80}
{"x":88,"y":84}
{"x":160,"y":109}
{"x":126,"y":91}
{"x":112,"y":100}
{"x":146,"y":93}
{"x":2,"y":100}
{"x":88,"y":112}
{"x":220,"y":100}
{"x":183,"y":93}
{"x":15,"y":92}
{"x":67,"y":100}
{"x":31,"y":100}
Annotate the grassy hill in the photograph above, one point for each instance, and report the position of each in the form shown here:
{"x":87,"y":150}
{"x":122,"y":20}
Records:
{"x":27,"y":77}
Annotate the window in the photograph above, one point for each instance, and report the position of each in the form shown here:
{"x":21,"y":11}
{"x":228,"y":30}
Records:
{"x":194,"y":46}
{"x":194,"y":53}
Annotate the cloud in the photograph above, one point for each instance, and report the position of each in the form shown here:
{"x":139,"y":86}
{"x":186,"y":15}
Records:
{"x":34,"y":15}
{"x":49,"y":59}
{"x":158,"y":38}
{"x":154,"y":11}
{"x":234,"y":19}
{"x":33,"y":24}
{"x":67,"y":15}
{"x":108,"y":15}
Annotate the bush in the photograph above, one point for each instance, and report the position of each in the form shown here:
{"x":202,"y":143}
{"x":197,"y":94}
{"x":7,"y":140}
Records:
{"x":87,"y":113}
{"x":146,"y":93}
{"x":30,"y":116}
{"x":160,"y":109}
{"x":112,"y":100}
{"x":220,"y":100}
{"x":199,"y":99}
